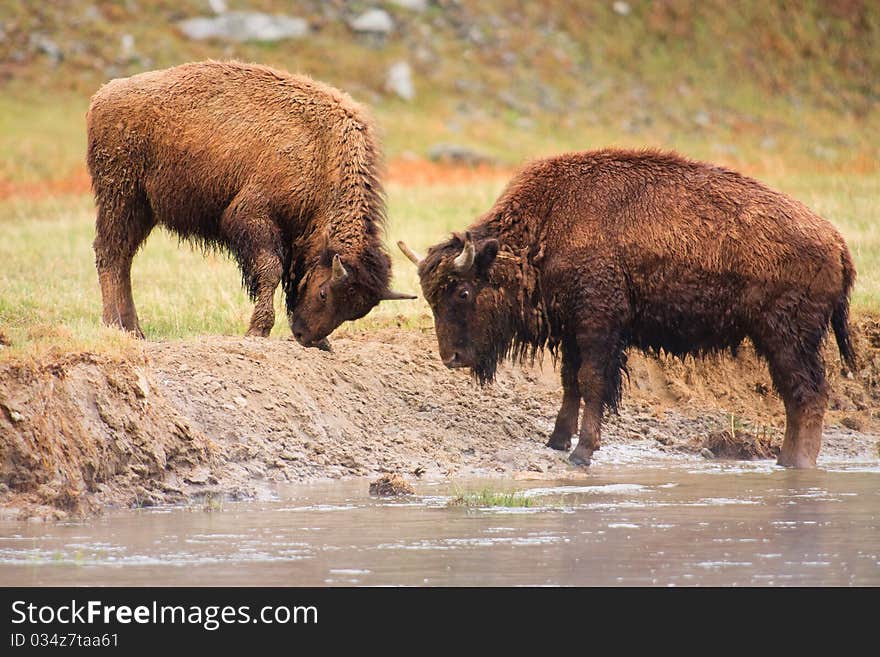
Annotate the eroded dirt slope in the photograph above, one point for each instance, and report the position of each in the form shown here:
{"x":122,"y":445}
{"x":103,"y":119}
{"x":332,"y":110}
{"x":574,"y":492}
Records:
{"x":230,"y":416}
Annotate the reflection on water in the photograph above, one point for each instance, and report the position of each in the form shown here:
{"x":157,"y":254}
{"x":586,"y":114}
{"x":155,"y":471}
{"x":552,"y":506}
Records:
{"x":704,"y":524}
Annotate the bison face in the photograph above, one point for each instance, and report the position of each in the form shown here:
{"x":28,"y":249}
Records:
{"x":331,"y":294}
{"x":466,"y":303}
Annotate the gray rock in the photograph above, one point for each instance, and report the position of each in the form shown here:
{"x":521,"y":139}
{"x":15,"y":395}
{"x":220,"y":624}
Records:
{"x":399,"y":80}
{"x":244,"y":26}
{"x":463,"y":85}
{"x":621,"y":8}
{"x":126,"y":45}
{"x":217,"y":6}
{"x":825,"y":152}
{"x":511,"y":100}
{"x":92,"y":13}
{"x":425,"y":55}
{"x":707,"y":453}
{"x":548,"y":98}
{"x":702,"y":119}
{"x":475,"y":35}
{"x":726,"y":149}
{"x":768,"y":143}
{"x":373,"y":21}
{"x":42,"y":43}
{"x":454,"y":153}
{"x":413,"y":5}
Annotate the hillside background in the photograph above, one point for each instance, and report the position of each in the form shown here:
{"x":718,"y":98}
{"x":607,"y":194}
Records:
{"x":764,"y":86}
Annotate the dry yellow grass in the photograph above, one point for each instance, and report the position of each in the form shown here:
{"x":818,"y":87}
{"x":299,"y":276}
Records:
{"x":782,"y":93}
{"x":49,"y":297}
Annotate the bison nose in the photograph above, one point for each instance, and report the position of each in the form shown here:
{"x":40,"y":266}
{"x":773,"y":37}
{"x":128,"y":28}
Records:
{"x":300,"y":337}
{"x":453,"y":361}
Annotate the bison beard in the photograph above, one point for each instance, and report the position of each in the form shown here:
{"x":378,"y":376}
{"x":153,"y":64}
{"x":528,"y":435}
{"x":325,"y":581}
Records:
{"x":601,"y":251}
{"x":497,"y":340}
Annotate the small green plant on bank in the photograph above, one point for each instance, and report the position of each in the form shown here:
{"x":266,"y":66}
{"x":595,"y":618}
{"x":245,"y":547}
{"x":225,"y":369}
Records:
{"x":212,"y":503}
{"x":490,"y":498}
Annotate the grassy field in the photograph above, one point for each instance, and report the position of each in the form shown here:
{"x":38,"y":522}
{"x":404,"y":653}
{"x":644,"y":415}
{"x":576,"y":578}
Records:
{"x":786,"y":92}
{"x":49,"y":297}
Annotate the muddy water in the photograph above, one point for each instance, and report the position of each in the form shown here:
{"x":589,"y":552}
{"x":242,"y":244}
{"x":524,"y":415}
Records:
{"x":626,"y":523}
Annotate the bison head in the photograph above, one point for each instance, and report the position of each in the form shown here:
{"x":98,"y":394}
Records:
{"x":468,"y":305}
{"x":334,"y":291}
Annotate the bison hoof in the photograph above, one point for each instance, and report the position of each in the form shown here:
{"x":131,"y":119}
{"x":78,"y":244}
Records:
{"x":559,"y":442}
{"x":323,"y":345}
{"x":257,"y":333}
{"x":580,"y":457}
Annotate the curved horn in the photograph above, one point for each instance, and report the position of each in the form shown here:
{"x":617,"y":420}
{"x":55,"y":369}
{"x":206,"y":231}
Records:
{"x":339,"y":271}
{"x":409,"y":253}
{"x":391,"y":295}
{"x":465,"y":259}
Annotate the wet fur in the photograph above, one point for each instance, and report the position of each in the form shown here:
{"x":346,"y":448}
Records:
{"x":615,"y":249}
{"x":279,"y":170}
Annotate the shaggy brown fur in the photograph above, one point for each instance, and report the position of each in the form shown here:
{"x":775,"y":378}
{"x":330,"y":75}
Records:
{"x":278,"y":169}
{"x":590,"y":253}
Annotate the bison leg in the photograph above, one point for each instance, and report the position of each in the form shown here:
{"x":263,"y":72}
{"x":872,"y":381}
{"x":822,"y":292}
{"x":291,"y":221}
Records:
{"x":798,"y":373}
{"x":567,"y":419}
{"x":120,"y":229}
{"x":255,"y":241}
{"x":591,"y":384}
{"x":268,"y":273}
{"x":599,"y":382}
{"x":801,"y":383}
{"x":803,"y":435}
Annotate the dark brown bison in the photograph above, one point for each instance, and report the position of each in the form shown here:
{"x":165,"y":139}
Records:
{"x":278,"y":169}
{"x":592,"y":253}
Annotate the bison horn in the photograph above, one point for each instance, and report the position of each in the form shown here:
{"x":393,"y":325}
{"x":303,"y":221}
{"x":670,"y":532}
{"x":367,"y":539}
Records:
{"x":339,"y":271}
{"x":409,"y":253}
{"x":391,"y":295}
{"x":465,"y":259}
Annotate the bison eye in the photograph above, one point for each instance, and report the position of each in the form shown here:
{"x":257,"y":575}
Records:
{"x":322,"y":294}
{"x":464,"y":295}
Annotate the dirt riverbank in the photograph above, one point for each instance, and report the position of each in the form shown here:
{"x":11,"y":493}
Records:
{"x":225,"y":416}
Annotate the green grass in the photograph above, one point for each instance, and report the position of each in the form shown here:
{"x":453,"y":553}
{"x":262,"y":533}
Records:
{"x":49,"y":295}
{"x":789,"y":95}
{"x":852,"y":203}
{"x":487,"y":498}
{"x":41,"y":140}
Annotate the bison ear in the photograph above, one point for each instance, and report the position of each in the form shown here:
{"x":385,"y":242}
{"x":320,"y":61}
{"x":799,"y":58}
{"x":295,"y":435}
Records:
{"x":486,"y":254}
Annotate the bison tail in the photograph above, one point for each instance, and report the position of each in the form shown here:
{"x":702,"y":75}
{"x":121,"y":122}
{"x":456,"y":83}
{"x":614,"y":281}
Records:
{"x":840,"y":314}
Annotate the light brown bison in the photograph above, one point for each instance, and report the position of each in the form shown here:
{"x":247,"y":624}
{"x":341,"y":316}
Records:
{"x":592,"y":253}
{"x":278,"y":169}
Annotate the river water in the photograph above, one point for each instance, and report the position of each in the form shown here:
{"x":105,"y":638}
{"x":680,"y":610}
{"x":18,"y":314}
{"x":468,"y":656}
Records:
{"x":697,"y":523}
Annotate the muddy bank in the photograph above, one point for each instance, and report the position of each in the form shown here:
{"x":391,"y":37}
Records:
{"x":233,"y":416}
